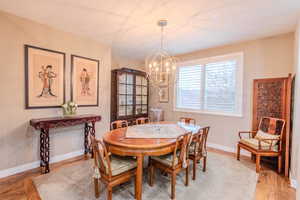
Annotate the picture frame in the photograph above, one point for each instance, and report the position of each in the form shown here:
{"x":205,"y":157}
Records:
{"x":84,"y":81}
{"x":164,"y":94}
{"x":44,"y":77}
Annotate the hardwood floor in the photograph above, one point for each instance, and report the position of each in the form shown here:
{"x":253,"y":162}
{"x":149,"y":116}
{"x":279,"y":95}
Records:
{"x":270,"y":185}
{"x":16,"y":187}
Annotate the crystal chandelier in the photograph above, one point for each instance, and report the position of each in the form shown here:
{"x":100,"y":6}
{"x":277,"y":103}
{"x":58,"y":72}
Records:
{"x":160,"y":64}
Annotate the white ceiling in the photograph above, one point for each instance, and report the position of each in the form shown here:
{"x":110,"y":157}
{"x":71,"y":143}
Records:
{"x":129,"y":26}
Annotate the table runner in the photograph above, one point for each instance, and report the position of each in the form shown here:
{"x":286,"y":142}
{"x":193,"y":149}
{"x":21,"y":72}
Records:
{"x":160,"y":130}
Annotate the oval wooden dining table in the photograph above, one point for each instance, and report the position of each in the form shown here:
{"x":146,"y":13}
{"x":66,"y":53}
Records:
{"x":117,"y":143}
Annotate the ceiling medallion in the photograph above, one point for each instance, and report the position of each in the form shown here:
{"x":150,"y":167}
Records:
{"x":160,"y":64}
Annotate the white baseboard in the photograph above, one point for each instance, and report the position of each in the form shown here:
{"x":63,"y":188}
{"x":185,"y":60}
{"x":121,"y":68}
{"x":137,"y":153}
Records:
{"x":28,"y":166}
{"x":293,"y":183}
{"x":228,"y":149}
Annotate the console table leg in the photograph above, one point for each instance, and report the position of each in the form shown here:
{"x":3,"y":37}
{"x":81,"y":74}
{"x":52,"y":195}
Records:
{"x":86,"y":140}
{"x":88,"y":130}
{"x":45,"y":150}
{"x":42,"y":148}
{"x":92,"y":132}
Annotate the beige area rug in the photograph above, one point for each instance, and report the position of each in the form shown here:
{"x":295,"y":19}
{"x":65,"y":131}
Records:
{"x":225,"y":179}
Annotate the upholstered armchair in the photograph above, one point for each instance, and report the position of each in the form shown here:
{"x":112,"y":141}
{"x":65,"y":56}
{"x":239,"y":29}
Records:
{"x":266,"y":141}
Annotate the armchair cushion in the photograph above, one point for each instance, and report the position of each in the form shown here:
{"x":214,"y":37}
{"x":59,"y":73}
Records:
{"x":263,"y":135}
{"x":253,"y":142}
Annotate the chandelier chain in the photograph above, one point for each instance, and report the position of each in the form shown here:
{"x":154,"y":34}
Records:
{"x":162,"y":38}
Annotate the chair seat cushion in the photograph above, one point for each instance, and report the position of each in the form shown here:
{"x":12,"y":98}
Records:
{"x":165,"y":159}
{"x":120,"y":164}
{"x":252,"y":142}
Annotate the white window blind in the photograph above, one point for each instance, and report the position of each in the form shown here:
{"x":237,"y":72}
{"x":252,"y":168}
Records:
{"x":189,"y":87}
{"x":212,"y":85}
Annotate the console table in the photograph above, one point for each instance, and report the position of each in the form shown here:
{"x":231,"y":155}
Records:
{"x":44,"y":124}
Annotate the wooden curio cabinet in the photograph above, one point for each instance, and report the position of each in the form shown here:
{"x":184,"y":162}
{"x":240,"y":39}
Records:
{"x":129,"y":95}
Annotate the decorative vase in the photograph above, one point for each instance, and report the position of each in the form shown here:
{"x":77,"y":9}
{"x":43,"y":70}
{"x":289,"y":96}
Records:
{"x":69,"y":108}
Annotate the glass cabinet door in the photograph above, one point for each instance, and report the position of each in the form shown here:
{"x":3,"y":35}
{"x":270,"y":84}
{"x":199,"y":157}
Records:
{"x":122,"y":111}
{"x":125,"y":94}
{"x":129,"y":79}
{"x":141,"y":95}
{"x":122,"y":100}
{"x":122,"y":78}
{"x":132,"y":94}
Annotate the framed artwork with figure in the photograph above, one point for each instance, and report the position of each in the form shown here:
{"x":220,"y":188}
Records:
{"x":164,"y":79}
{"x":85,"y":81}
{"x":44,"y":78}
{"x":163,"y":94}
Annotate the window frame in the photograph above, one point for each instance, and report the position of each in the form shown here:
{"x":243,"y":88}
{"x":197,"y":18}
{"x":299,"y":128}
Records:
{"x":239,"y":57}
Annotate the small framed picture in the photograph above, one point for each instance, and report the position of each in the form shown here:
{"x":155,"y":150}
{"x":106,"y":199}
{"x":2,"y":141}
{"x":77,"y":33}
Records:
{"x":164,"y":77}
{"x":44,"y":78}
{"x":164,"y":94}
{"x":85,"y":81}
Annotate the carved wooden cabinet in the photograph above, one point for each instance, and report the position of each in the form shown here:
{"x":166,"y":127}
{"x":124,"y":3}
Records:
{"x":272,"y":98}
{"x":129,"y":95}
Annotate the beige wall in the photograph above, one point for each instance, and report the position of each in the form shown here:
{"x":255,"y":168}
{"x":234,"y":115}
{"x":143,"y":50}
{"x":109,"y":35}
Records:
{"x":18,"y":141}
{"x":264,"y":58}
{"x":295,"y":163}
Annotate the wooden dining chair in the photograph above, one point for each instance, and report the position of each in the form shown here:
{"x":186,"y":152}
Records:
{"x":266,"y":141}
{"x":142,"y":120}
{"x":198,"y":150}
{"x":173,"y":163}
{"x":118,"y":124}
{"x":187,"y":120}
{"x":110,"y":169}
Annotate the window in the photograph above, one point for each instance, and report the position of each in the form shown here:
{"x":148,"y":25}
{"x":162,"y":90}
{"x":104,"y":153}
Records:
{"x":212,"y":85}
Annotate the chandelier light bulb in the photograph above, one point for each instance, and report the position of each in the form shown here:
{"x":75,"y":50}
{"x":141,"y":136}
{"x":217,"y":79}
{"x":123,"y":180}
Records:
{"x":168,"y":69}
{"x":156,"y":69}
{"x":167,"y":64}
{"x":154,"y":64}
{"x":150,"y":66}
{"x":174,"y":67}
